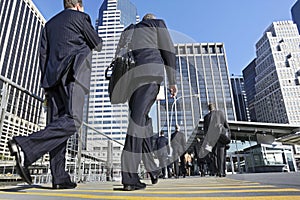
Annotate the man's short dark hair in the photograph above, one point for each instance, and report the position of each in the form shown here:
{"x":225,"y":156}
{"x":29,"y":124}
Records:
{"x":149,"y":16}
{"x":162,"y":132}
{"x":72,"y":3}
{"x":211,"y":106}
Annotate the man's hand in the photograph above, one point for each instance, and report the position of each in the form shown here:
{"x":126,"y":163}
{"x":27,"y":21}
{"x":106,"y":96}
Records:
{"x":173,"y":90}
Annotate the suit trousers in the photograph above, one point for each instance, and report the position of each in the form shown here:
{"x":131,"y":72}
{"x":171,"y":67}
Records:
{"x":221,"y":159}
{"x":138,"y":145}
{"x":65,"y":111}
{"x":175,"y":159}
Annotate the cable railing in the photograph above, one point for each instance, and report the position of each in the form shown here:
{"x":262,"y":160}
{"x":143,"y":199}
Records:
{"x":81,"y":165}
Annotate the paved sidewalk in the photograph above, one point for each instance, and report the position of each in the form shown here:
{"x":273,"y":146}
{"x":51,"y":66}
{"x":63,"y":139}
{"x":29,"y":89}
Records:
{"x":234,"y":187}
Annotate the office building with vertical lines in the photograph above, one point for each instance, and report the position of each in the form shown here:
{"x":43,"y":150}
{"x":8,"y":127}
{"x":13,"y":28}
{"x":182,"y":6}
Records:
{"x":21,"y":94}
{"x":202,"y":77}
{"x":249,"y":75}
{"x":296,"y":14}
{"x":239,"y":98}
{"x":111,"y":120}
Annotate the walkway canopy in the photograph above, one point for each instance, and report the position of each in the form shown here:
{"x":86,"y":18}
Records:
{"x":257,"y":131}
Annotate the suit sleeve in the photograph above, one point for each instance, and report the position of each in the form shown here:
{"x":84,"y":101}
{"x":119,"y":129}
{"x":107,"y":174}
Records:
{"x":167,"y":50}
{"x":206,"y":123}
{"x":91,"y":36}
{"x":225,"y":124}
{"x":43,"y":52}
{"x":183,"y":140}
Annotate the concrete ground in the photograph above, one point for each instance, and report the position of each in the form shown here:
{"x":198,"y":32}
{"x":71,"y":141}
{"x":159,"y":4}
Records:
{"x":264,"y":186}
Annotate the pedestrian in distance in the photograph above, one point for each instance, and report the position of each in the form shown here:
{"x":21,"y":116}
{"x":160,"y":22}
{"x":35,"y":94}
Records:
{"x":162,"y":151}
{"x":188,"y":162}
{"x":201,"y":161}
{"x":214,"y":123}
{"x":178,"y":144}
{"x":65,"y":62}
{"x":154,"y":53}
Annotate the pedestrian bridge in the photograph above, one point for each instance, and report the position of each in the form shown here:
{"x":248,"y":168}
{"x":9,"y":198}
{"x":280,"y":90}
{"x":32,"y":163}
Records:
{"x":260,"y":132}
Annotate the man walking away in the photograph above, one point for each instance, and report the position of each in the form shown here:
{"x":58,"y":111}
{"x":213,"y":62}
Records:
{"x":163,"y":150}
{"x":65,"y":63}
{"x":154,"y":53}
{"x":178,"y":143}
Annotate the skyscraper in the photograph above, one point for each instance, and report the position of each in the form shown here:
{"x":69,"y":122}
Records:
{"x":202,"y":78}
{"x":112,"y":120}
{"x":240,"y":98}
{"x":21,"y":94}
{"x":249,"y":75}
{"x":278,"y":74}
{"x":296,"y":14}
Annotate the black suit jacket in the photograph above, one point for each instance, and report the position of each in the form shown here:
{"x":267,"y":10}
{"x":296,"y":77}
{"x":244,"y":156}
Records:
{"x":178,"y":142}
{"x":212,"y":122}
{"x":161,"y":145}
{"x":66,"y":44}
{"x":153,"y":52}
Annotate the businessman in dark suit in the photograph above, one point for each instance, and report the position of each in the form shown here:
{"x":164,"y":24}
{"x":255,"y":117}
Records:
{"x":153,"y":52}
{"x":65,"y":57}
{"x":162,"y":151}
{"x":213,"y":122}
{"x":178,"y":143}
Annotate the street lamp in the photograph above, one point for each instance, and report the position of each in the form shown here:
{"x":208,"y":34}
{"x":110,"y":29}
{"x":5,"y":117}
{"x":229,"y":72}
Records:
{"x":170,"y":123}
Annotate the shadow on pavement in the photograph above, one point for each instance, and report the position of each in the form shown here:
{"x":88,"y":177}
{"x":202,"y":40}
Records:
{"x":20,"y":188}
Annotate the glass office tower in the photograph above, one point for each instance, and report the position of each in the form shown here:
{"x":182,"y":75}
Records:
{"x":21,"y":94}
{"x":295,"y":11}
{"x":112,"y":120}
{"x":202,"y":78}
{"x":249,"y":75}
{"x":239,"y":97}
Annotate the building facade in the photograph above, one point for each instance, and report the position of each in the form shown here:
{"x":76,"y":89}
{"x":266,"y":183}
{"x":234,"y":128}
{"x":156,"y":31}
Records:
{"x":249,"y":75}
{"x":240,"y":98}
{"x":295,"y":11}
{"x":111,"y":120}
{"x":202,"y":77}
{"x":21,"y":94}
{"x":277,"y":81}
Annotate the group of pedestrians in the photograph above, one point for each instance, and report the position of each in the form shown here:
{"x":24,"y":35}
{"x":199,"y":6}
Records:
{"x":208,"y":155}
{"x":171,"y":164}
{"x":67,"y":42}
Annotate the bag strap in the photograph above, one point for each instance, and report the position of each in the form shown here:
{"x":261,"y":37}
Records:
{"x":125,"y":38}
{"x":109,"y":68}
{"x":125,"y":41}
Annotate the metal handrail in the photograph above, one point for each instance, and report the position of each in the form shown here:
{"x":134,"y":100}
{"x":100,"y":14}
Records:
{"x":103,"y":134}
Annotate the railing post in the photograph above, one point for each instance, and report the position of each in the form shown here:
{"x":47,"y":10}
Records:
{"x":79,"y":171}
{"x":109,"y":161}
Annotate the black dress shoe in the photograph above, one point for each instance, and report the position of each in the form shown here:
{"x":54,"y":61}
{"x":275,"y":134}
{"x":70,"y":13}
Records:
{"x":16,"y":151}
{"x":69,"y":185}
{"x":137,"y":186}
{"x":154,"y":179}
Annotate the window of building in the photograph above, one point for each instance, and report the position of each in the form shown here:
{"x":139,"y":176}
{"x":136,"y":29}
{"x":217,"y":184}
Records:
{"x":197,"y":50}
{"x":278,"y":48}
{"x":204,"y":49}
{"x":189,"y":50}
{"x":212,"y":49}
{"x":182,"y":50}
